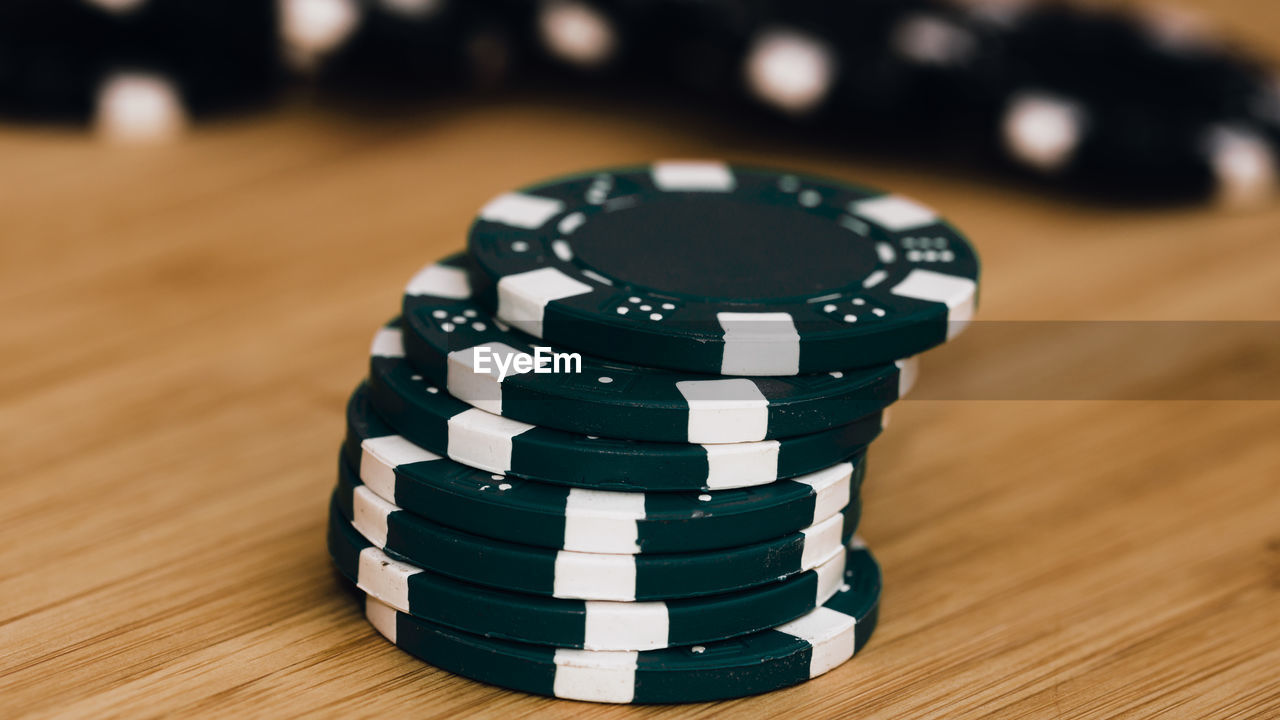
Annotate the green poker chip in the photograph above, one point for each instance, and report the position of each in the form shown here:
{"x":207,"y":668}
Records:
{"x":712,"y":268}
{"x":459,"y":346}
{"x":432,"y":419}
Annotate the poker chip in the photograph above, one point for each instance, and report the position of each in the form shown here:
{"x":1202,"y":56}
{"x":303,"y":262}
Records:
{"x":707,"y":267}
{"x":459,"y":346}
{"x":432,"y":419}
{"x":578,"y":575}
{"x":599,"y":521}
{"x":788,"y":654}
{"x":591,"y":625}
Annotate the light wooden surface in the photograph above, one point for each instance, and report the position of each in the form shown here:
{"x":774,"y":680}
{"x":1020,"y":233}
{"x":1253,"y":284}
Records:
{"x":181,"y":326}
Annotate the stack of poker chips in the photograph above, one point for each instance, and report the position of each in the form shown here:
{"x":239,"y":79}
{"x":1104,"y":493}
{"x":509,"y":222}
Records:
{"x":614,"y":451}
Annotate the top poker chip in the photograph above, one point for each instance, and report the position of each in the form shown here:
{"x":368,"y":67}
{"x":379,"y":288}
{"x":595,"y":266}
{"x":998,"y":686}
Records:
{"x":707,"y":267}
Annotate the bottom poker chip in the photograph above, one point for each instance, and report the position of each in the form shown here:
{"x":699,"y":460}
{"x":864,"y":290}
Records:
{"x":786,"y":655}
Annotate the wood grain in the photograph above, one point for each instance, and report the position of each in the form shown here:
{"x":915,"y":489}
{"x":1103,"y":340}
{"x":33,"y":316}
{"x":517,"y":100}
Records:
{"x":182,"y":324}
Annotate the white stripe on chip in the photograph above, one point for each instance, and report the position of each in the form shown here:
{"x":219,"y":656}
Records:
{"x":741,"y":464}
{"x":894,"y":212}
{"x":818,"y":539}
{"x":908,"y":373}
{"x":688,"y":175}
{"x":388,"y":342}
{"x":595,"y":676}
{"x":483,"y":440}
{"x":642,"y":625}
{"x":597,"y":521}
{"x":576,"y":33}
{"x":830,"y":488}
{"x":790,"y":70}
{"x":384,"y":578}
{"x":482,"y":389}
{"x":1243,"y":163}
{"x":381,"y":616}
{"x":722,"y":411}
{"x":521,"y":210}
{"x":830,"y":577}
{"x":440,"y":281}
{"x":759,"y":344}
{"x":380,"y":456}
{"x":957,"y":292}
{"x":141,"y":107}
{"x":369,"y":515}
{"x":523,"y":297}
{"x":595,"y":575}
{"x":829,"y":634}
{"x":1042,"y":130}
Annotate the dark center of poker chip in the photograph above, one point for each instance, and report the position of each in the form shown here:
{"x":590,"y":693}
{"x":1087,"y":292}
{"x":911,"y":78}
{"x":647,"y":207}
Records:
{"x":721,"y":248}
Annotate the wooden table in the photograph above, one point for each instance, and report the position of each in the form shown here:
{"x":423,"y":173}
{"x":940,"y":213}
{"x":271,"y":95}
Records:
{"x":182,"y":325}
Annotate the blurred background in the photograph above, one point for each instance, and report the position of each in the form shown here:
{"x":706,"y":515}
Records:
{"x":205,"y":207}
